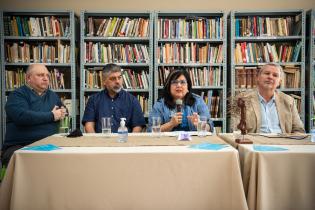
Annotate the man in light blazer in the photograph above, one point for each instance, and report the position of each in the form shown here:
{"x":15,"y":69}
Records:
{"x":268,"y":110}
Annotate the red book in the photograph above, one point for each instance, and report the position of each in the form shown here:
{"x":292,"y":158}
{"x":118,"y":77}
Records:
{"x":243,"y":48}
{"x":255,"y":26}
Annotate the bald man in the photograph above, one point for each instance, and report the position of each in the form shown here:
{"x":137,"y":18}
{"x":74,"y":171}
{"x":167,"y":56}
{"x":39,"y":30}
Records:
{"x":33,"y":112}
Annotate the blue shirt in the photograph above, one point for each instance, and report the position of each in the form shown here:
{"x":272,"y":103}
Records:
{"x":161,"y":110}
{"x":123,"y":105}
{"x":29,"y":116}
{"x":269,"y":116}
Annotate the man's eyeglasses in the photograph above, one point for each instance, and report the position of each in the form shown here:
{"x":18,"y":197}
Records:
{"x":177,"y":82}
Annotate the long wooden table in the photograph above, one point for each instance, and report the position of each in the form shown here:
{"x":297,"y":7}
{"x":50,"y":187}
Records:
{"x":277,"y":180}
{"x":93,"y":172}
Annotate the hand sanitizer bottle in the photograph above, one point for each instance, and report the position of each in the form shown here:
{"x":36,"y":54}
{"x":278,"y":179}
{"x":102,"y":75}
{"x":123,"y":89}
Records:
{"x":122,"y":131}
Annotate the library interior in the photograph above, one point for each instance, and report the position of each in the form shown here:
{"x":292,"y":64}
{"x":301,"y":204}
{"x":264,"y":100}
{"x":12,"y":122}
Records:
{"x":131,"y":105}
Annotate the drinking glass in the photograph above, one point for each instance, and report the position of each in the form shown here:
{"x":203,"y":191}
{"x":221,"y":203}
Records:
{"x":156,"y":126}
{"x":106,"y":125}
{"x":202,"y":126}
{"x":65,"y":125}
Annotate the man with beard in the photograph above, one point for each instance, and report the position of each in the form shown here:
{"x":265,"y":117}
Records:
{"x":113,"y":102}
{"x":269,"y":110}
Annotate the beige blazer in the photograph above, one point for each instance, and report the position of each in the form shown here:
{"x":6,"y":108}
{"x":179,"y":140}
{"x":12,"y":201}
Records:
{"x":289,"y":118}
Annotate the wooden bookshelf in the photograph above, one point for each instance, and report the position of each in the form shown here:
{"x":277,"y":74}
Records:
{"x":260,"y":37}
{"x":46,"y":37}
{"x":195,"y":42}
{"x":123,"y":38}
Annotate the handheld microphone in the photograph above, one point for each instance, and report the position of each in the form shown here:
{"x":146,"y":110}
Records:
{"x":179,"y":105}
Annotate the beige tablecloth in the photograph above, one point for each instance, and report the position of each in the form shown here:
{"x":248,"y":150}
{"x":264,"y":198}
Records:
{"x":264,"y":139}
{"x":133,"y":177}
{"x":278,"y":180}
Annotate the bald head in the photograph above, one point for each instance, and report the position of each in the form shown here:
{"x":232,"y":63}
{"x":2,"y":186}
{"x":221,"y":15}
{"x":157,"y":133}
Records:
{"x":36,"y":66}
{"x":37,"y":77}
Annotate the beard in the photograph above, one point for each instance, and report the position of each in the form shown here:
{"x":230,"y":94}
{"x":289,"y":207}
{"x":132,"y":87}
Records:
{"x":117,"y":89}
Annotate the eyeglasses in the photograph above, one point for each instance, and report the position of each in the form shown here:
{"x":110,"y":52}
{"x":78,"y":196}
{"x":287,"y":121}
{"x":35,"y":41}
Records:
{"x":176,"y":82}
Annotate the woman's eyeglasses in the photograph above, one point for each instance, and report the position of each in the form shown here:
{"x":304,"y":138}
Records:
{"x":177,"y":82}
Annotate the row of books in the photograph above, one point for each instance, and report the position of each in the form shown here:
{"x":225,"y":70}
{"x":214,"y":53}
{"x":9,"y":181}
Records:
{"x":67,"y":102}
{"x":245,"y":77}
{"x":16,"y":78}
{"x":297,"y":101}
{"x":143,"y":100}
{"x":57,"y":79}
{"x":48,"y":26}
{"x":23,"y":52}
{"x":291,"y":77}
{"x":132,"y":79}
{"x":116,"y":53}
{"x":135,"y":79}
{"x":118,"y":27}
{"x":254,"y":26}
{"x":213,"y":100}
{"x":206,"y":76}
{"x":252,"y":52}
{"x":189,"y":53}
{"x":144,"y":103}
{"x":190,"y":28}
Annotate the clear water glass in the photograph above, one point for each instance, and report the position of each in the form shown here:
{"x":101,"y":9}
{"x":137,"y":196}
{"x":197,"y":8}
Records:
{"x":106,"y":126}
{"x":156,"y":126}
{"x":202,"y":126}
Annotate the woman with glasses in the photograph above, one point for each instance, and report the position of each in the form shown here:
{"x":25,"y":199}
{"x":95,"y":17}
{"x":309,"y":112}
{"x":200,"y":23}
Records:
{"x":179,"y":109}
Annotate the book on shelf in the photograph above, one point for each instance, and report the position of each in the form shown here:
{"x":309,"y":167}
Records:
{"x":245,"y":77}
{"x":291,"y":77}
{"x":93,"y":78}
{"x":253,"y":26}
{"x":23,"y":52}
{"x":144,"y":103}
{"x":189,"y":53}
{"x":57,"y":80}
{"x":190,"y":28}
{"x":116,"y":53}
{"x":213,"y":101}
{"x":297,"y":101}
{"x":200,"y":77}
{"x":48,"y":26}
{"x":118,"y":27}
{"x":253,"y":52}
{"x":15,"y":78}
{"x":132,"y":79}
{"x":67,"y":102}
{"x":135,"y":79}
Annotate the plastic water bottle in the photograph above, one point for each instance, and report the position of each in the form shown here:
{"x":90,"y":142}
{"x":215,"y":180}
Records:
{"x":122,"y":131}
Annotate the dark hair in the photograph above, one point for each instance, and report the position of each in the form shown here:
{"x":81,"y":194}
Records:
{"x":110,"y":68}
{"x":168,"y":98}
